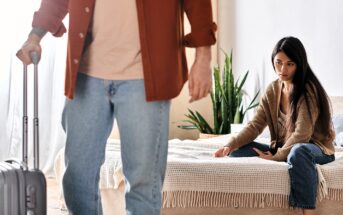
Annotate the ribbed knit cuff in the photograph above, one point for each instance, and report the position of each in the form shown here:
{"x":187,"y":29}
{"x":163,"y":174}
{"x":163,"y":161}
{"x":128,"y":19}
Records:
{"x":38,"y":31}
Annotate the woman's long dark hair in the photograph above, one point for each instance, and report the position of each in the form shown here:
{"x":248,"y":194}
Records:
{"x":304,"y":81}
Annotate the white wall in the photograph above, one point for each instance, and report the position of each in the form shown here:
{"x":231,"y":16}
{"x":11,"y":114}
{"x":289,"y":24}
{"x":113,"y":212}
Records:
{"x":252,"y":28}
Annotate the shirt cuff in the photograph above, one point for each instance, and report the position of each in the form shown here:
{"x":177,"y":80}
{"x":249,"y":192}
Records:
{"x":205,"y":37}
{"x":38,"y":31}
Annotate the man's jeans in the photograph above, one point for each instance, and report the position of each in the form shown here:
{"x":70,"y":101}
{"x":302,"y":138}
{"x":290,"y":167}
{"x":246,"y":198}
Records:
{"x":143,"y":127}
{"x":302,"y":161}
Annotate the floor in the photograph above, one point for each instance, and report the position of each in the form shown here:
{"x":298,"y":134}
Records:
{"x":54,"y":206}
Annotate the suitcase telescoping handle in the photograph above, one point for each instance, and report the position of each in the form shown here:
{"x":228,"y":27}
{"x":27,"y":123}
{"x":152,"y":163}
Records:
{"x":35,"y":58}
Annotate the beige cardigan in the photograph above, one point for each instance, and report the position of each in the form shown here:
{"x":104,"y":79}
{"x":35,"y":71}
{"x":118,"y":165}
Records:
{"x":267,"y":114}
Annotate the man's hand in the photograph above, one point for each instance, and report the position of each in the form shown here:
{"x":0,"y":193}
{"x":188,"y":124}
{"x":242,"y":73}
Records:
{"x":222,"y":152}
{"x":31,"y":44}
{"x":200,"y":76}
{"x":265,"y":155}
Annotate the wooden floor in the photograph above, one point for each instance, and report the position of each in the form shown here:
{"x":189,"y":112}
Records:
{"x":54,"y":206}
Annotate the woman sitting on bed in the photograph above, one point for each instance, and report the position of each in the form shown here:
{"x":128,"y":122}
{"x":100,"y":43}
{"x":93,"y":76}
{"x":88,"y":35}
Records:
{"x":297,"y":111}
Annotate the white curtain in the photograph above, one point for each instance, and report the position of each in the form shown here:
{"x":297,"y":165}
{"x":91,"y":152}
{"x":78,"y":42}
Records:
{"x":15,"y":22}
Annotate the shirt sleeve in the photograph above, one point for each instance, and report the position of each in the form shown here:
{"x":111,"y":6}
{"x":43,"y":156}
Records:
{"x":199,"y":13}
{"x":50,"y":15}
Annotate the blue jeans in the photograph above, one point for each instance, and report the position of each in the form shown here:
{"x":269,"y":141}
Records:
{"x":302,"y":161}
{"x":143,"y":127}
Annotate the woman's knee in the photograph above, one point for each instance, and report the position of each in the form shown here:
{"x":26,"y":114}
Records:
{"x":298,"y":153}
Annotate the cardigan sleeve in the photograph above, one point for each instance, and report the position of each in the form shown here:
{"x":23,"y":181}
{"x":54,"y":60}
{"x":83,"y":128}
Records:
{"x":199,"y":13}
{"x":252,"y":129}
{"x":50,"y":15}
{"x":304,"y":127}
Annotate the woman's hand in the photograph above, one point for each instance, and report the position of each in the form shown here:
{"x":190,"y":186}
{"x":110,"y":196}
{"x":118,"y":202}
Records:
{"x":265,"y":155}
{"x":222,"y":152}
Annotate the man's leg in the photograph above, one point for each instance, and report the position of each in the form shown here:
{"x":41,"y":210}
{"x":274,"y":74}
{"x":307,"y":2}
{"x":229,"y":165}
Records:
{"x":143,"y":128}
{"x":87,"y":121}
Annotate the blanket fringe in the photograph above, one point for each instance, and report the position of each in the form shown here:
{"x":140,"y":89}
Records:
{"x":335,"y":194}
{"x":322,"y":188}
{"x":186,"y":199}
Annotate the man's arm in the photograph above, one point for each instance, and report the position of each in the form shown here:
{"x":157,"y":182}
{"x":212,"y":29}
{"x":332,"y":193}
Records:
{"x":200,"y":76}
{"x":199,"y":13}
{"x":48,"y":18}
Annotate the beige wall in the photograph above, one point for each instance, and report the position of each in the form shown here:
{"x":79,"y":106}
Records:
{"x":180,"y":104}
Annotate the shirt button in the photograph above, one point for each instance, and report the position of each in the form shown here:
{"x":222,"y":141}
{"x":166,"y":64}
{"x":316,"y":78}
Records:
{"x":76,"y":61}
{"x":81,"y":35}
{"x":87,"y":9}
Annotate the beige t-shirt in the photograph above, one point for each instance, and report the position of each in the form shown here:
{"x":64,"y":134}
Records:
{"x":115,"y":52}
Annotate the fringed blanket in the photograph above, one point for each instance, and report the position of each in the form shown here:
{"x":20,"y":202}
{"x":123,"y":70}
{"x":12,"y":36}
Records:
{"x":194,"y":178}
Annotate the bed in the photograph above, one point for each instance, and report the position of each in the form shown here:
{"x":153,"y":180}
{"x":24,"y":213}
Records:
{"x":198,"y":183}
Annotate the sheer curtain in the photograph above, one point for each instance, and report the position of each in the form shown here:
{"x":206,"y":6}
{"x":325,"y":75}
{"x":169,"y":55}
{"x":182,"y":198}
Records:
{"x":15,"y":21}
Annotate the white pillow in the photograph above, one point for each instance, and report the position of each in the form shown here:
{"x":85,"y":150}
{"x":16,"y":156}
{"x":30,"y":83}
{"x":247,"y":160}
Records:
{"x":339,"y":139}
{"x":337,"y":121}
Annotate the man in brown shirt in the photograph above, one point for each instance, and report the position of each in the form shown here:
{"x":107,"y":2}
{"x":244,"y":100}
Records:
{"x":125,"y":60}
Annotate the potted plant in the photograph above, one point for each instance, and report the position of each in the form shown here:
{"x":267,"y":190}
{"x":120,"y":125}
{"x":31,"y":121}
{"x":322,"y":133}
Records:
{"x":226,"y":96}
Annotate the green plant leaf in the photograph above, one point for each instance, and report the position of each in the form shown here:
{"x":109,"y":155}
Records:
{"x":197,"y":124}
{"x":251,"y":105}
{"x":206,"y":127}
{"x":221,"y":129}
{"x":224,"y":114}
{"x":191,"y":117}
{"x":241,"y":84}
{"x":215,"y":113}
{"x":187,"y":127}
{"x":237,"y":118}
{"x":192,"y":114}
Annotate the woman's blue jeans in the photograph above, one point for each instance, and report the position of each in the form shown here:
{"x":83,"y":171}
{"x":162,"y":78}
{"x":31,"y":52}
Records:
{"x":302,"y":161}
{"x":143,"y":127}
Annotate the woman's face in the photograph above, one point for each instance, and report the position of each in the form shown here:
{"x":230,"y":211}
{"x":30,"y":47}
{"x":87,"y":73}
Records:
{"x":284,"y":67}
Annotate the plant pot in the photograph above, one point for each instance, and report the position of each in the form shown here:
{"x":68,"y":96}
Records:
{"x":206,"y":136}
{"x":236,"y":128}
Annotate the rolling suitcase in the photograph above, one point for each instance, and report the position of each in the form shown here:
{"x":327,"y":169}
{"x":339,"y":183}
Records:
{"x":23,"y":190}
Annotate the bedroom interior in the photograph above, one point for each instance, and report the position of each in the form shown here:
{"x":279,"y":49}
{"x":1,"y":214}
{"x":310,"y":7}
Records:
{"x":251,"y":29}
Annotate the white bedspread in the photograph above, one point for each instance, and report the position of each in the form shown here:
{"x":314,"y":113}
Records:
{"x":194,"y":178}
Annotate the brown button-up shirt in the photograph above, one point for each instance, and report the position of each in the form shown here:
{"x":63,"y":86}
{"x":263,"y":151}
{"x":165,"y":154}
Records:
{"x":160,"y":31}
